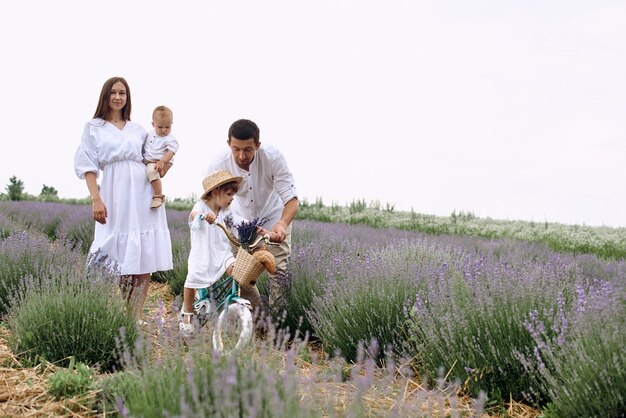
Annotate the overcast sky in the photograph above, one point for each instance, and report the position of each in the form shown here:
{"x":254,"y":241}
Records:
{"x":509,"y":109}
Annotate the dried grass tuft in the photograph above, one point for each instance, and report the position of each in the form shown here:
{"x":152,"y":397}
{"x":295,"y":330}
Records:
{"x":23,"y":390}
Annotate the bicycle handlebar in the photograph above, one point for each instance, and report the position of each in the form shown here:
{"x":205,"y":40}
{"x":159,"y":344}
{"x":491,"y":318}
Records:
{"x":229,"y":234}
{"x":262,"y":238}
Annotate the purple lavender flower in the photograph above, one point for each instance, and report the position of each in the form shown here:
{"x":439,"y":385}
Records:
{"x":248,"y":230}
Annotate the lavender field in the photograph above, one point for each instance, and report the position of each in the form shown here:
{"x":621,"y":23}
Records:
{"x":493,"y":317}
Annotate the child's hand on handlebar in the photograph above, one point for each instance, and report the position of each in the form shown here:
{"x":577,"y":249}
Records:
{"x":209,"y":217}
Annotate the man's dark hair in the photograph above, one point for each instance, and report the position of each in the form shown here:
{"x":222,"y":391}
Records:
{"x":244,"y":129}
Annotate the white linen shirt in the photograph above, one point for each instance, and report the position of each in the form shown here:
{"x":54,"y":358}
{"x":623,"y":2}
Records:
{"x":155,"y":146}
{"x":211,"y":253}
{"x":265,"y":188}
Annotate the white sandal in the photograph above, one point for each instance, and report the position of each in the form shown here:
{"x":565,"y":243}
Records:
{"x":186,"y":329}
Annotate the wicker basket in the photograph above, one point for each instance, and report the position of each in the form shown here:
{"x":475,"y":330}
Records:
{"x":246,"y":268}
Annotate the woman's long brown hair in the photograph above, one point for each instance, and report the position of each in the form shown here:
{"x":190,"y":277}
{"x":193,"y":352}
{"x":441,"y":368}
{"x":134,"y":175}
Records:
{"x":105,"y":95}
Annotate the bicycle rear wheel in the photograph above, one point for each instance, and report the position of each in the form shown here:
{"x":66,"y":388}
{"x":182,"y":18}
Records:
{"x":233,"y":329}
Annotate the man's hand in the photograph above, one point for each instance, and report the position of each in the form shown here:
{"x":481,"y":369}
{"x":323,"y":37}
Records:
{"x":278,"y":232}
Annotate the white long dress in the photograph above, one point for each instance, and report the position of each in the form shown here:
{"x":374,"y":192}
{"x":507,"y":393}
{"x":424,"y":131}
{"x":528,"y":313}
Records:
{"x":135,"y":237}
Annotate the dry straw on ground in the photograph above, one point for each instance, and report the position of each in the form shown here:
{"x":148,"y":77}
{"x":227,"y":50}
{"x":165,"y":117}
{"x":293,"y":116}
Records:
{"x":23,"y":390}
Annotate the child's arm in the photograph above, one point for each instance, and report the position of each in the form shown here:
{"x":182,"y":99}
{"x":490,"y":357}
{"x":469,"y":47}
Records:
{"x":196,"y":216}
{"x":161,"y":166}
{"x":209,"y":217}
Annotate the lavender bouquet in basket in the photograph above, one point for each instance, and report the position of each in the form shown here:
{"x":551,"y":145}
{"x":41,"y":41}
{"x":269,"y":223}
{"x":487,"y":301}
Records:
{"x":248,"y":266}
{"x":248,"y":231}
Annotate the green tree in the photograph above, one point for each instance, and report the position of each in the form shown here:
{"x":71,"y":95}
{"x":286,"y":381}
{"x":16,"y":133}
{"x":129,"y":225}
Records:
{"x":48,"y":193}
{"x":15,"y":188}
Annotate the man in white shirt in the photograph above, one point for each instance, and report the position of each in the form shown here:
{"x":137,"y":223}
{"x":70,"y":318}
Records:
{"x":267,"y":190}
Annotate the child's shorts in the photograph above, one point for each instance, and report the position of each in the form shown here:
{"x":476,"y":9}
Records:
{"x":154,"y":175}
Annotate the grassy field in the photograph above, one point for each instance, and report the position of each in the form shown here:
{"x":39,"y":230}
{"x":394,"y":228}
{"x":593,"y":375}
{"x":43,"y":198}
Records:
{"x":389,"y":314}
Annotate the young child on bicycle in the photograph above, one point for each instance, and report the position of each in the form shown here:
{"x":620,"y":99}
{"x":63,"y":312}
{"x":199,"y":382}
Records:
{"x":211,"y":254}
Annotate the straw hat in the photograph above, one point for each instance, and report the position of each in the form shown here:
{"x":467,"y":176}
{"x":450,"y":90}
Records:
{"x":218,"y":178}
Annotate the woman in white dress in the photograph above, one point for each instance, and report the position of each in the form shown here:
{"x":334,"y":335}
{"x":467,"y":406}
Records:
{"x":128,"y":234}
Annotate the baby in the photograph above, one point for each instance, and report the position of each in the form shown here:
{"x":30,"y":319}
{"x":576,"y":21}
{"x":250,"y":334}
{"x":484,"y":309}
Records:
{"x":158,"y":151}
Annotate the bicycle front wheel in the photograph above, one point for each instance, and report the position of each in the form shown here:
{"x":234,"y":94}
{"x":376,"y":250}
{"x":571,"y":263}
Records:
{"x":233,"y":330}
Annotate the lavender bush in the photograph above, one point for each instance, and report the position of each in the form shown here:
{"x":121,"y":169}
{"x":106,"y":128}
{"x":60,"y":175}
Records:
{"x":191,"y":382}
{"x":8,"y":226}
{"x":55,"y":220}
{"x":365,"y":298}
{"x":44,"y":217}
{"x":71,"y":314}
{"x":78,"y":227}
{"x":176,"y":379}
{"x":579,"y":362}
{"x":319,"y":254}
{"x":473,"y":297}
{"x":31,"y":254}
{"x":308,"y":276}
{"x":371,"y":391}
{"x":470,"y":320}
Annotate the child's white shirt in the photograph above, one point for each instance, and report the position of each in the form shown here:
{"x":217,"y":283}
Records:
{"x":211,"y":252}
{"x":155,"y":146}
